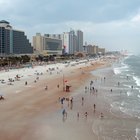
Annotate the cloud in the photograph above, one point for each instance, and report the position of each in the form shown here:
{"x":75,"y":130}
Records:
{"x":62,"y":11}
{"x":108,"y":23}
{"x":136,"y":18}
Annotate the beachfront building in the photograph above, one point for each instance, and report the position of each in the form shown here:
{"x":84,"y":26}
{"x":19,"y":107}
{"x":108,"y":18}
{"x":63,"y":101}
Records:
{"x":55,"y":36}
{"x":66,"y":43}
{"x":73,"y":42}
{"x":79,"y":46}
{"x":69,"y":42}
{"x":101,"y":51}
{"x":47,"y":44}
{"x":92,"y":49}
{"x":13,"y":41}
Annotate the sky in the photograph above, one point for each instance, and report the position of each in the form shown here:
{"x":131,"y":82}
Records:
{"x":110,"y":24}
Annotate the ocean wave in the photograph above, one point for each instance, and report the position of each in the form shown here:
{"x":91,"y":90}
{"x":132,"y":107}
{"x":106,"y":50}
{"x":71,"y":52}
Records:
{"x":127,"y":86}
{"x":138,"y":89}
{"x":137,"y":80}
{"x":130,"y":112}
{"x":119,"y":70}
{"x":138,"y":96}
{"x":125,"y":108}
{"x":122,"y":109}
{"x":129,"y":93}
{"x":137,"y":133}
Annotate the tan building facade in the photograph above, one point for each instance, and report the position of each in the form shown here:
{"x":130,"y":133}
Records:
{"x":47,"y":45}
{"x":101,"y":50}
{"x":93,"y":50}
{"x":38,"y":42}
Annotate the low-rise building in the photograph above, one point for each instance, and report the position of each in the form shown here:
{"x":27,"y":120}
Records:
{"x":101,"y":51}
{"x":94,"y":50}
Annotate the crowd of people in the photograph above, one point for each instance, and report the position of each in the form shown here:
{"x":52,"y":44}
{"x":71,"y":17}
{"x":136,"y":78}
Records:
{"x":68,"y":102}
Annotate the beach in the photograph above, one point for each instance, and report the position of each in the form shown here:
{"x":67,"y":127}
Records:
{"x":31,"y":112}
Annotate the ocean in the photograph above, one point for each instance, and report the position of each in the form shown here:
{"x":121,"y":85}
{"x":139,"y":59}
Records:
{"x":121,"y":89}
{"x":128,"y":71}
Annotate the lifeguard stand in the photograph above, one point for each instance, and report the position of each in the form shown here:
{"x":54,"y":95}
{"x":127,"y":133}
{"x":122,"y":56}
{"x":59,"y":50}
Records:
{"x":68,"y":88}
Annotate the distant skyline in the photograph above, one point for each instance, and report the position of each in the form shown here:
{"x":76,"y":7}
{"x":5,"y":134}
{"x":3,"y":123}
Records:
{"x":111,"y":24}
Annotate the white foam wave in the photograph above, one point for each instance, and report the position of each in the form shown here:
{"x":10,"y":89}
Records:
{"x":138,"y":96}
{"x":137,"y":89}
{"x":127,"y":86}
{"x":129,"y":93}
{"x":137,"y":80}
{"x":122,"y":107}
{"x":122,"y":104}
{"x":137,"y":133}
{"x":125,"y":68}
{"x":118,"y":70}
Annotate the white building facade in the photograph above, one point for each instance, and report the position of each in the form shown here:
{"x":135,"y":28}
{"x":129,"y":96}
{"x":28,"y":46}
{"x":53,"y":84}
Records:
{"x":72,"y":42}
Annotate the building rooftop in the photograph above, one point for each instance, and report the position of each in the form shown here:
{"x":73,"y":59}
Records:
{"x":4,"y":21}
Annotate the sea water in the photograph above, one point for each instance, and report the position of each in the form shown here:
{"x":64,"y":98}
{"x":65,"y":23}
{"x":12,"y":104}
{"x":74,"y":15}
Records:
{"x":122,"y":89}
{"x":128,"y":71}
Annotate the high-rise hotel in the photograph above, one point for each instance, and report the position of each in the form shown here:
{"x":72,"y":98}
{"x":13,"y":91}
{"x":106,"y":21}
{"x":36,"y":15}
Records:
{"x":57,"y":44}
{"x":73,"y":41}
{"x":13,"y":41}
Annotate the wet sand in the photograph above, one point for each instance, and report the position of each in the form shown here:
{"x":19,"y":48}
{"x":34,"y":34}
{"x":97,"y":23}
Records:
{"x":32,"y":113}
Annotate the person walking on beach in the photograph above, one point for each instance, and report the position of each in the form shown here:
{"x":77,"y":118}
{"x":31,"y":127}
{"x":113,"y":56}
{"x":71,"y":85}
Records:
{"x":71,"y":100}
{"x":46,"y":88}
{"x":71,"y":103}
{"x":26,"y":83}
{"x":94,"y":107}
{"x":1,"y":97}
{"x":102,"y":115}
{"x":118,"y":84}
{"x":85,"y":89}
{"x":82,"y":101}
{"x":62,"y":101}
{"x":64,"y":113}
{"x":86,"y":114}
{"x":127,"y":77}
{"x":78,"y":115}
{"x":104,"y":79}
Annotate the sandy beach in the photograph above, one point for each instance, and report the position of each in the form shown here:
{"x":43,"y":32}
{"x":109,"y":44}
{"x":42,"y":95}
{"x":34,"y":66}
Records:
{"x":29,"y":112}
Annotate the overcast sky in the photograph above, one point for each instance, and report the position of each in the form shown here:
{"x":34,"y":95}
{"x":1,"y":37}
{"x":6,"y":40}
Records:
{"x":112,"y":24}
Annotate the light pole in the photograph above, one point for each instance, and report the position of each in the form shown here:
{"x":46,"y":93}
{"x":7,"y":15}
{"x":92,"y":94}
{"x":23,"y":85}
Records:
{"x":63,"y":83}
